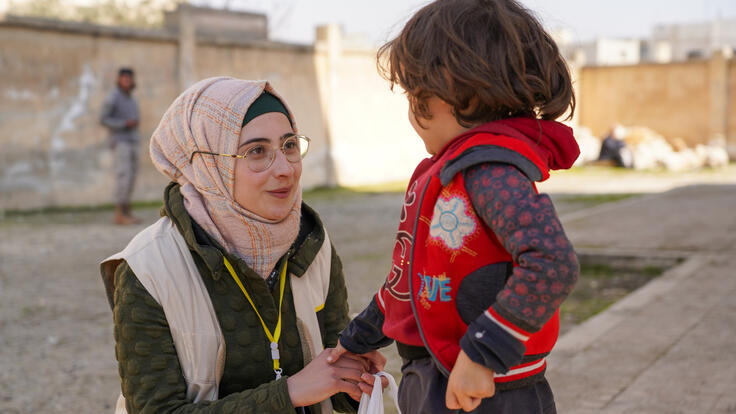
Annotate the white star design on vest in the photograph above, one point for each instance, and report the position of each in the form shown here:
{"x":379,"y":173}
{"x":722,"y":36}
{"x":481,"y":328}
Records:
{"x":450,"y":222}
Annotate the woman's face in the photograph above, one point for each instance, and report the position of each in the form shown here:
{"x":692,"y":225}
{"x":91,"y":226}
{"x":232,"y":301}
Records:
{"x":270,"y":193}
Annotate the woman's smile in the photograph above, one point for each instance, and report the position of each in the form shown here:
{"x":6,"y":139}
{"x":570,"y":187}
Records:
{"x":283,"y":192}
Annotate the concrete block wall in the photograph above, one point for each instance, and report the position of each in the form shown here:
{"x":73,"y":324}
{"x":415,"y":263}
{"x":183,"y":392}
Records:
{"x":693,"y":100}
{"x":55,"y":76}
{"x":53,"y":82}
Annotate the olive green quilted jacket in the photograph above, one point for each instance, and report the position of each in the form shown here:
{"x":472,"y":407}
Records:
{"x":151,"y":377}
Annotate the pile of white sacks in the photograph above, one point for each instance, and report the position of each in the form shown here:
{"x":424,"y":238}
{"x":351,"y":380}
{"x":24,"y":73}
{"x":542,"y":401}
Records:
{"x":651,"y":150}
{"x":590,"y":145}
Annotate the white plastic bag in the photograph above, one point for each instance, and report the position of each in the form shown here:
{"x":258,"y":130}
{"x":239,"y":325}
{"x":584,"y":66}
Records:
{"x":373,"y":404}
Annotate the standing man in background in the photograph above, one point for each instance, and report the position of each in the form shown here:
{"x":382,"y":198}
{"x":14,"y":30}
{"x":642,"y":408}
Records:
{"x":121,"y":116}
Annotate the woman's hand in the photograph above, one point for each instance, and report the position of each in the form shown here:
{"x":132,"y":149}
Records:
{"x":319,"y":380}
{"x":376,"y":358}
{"x":468,"y":384}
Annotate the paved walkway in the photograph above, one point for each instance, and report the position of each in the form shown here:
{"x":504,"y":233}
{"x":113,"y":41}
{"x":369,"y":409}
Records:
{"x":669,"y":347}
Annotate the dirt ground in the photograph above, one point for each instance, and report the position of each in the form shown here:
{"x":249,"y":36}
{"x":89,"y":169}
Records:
{"x":56,"y":343}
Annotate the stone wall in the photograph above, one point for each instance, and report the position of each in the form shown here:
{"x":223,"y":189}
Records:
{"x":55,"y":76}
{"x":371,"y":139}
{"x":54,"y":79}
{"x":731,"y":109}
{"x":694,"y":100}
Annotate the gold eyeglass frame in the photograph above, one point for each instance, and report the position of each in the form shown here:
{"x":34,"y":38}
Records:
{"x":281,"y":148}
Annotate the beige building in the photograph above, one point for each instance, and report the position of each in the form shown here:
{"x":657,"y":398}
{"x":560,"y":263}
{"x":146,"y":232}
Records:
{"x":605,"y":51}
{"x":683,"y":41}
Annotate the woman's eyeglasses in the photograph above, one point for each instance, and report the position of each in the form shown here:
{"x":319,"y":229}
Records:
{"x":259,"y":156}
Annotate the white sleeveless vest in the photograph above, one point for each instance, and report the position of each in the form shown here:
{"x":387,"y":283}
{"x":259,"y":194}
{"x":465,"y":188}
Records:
{"x":160,"y":258}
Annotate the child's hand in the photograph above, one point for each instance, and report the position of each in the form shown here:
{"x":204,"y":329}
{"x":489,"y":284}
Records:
{"x":375,"y":358}
{"x":368,"y":380}
{"x":469,"y":383}
{"x":374,"y":362}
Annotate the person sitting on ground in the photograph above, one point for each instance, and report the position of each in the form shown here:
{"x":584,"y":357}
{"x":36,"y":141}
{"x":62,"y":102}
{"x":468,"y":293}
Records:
{"x":614,"y":150}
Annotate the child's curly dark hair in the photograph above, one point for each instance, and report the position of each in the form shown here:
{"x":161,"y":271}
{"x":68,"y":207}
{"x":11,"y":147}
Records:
{"x":488,"y":59}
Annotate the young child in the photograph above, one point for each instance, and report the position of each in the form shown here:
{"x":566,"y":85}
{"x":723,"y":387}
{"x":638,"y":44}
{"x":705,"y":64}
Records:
{"x":481,"y":263}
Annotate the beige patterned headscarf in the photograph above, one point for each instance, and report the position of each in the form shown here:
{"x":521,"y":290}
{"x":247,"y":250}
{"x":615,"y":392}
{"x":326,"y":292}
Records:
{"x":208,"y":117}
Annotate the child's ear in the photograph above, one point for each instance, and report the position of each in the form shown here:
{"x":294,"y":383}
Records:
{"x":472,"y":106}
{"x":470,"y":111}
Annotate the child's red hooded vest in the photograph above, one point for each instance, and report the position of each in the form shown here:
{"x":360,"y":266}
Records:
{"x":441,"y":240}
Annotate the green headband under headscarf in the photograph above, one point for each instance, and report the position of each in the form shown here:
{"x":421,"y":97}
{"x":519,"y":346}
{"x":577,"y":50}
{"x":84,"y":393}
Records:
{"x":264,"y":104}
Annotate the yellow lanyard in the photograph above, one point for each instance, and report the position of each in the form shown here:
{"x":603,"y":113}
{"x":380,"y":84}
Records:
{"x":277,"y":332}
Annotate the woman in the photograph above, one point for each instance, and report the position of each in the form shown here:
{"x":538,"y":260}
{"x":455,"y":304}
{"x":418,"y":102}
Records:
{"x":225,"y":303}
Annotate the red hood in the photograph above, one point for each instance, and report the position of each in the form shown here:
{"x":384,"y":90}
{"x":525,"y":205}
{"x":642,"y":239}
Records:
{"x":552,"y":141}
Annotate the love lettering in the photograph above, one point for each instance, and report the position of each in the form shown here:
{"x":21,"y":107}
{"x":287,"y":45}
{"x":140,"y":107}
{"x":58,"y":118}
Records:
{"x":434,"y":288}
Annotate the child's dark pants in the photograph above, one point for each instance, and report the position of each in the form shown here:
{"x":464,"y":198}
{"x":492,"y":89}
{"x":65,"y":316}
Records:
{"x":422,"y":391}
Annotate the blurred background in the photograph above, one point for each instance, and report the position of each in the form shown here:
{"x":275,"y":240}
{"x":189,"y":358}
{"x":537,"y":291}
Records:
{"x":652,"y":191}
{"x":661,"y":71}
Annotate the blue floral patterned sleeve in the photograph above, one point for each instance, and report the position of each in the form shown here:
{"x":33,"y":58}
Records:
{"x":546,"y":270}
